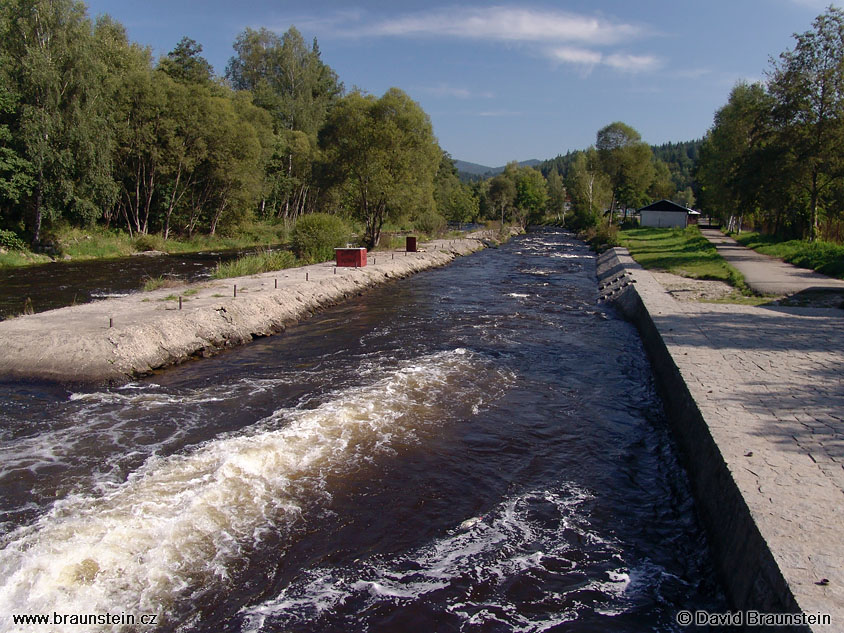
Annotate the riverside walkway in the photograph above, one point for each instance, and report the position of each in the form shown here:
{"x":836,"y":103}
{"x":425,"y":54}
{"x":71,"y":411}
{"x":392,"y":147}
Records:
{"x":768,"y":275}
{"x":756,"y":399}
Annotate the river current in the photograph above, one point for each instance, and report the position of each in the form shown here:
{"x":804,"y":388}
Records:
{"x":477,"y":448}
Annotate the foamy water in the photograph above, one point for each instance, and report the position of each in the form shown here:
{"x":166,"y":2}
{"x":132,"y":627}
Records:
{"x":181,"y":524}
{"x":481,"y":557}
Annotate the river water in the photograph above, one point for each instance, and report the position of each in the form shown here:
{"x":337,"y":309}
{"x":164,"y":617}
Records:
{"x":59,"y":284}
{"x":477,"y":448}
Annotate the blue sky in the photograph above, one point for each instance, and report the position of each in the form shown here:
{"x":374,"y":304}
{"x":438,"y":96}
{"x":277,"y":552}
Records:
{"x":513,"y":81}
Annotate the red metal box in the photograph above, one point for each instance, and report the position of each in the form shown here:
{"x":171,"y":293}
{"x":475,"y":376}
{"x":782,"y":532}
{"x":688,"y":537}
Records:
{"x":351,"y":257}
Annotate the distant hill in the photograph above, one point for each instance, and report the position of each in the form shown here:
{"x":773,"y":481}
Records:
{"x":474,"y":171}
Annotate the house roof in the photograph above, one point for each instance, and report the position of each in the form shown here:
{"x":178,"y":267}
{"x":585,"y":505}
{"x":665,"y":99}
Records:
{"x":665,"y":205}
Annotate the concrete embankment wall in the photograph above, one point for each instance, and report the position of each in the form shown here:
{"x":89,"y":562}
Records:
{"x":744,"y":560}
{"x":117,"y":340}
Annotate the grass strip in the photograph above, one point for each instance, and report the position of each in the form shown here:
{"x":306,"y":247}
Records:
{"x":826,"y":258}
{"x":261,"y":262}
{"x":683,"y":252}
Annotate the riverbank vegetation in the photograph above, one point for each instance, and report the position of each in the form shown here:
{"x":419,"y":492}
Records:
{"x":774,"y":157}
{"x":261,"y":262}
{"x":105,"y":151}
{"x":825,"y":257}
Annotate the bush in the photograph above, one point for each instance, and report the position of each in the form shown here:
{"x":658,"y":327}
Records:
{"x":315,"y":236}
{"x":601,"y":237}
{"x":10,"y":241}
{"x":149,"y":242}
{"x":431,"y":223}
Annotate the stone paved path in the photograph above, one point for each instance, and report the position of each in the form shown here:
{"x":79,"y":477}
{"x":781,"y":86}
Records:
{"x":769,"y":383}
{"x":768,"y":275}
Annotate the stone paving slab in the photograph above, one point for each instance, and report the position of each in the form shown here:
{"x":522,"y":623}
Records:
{"x":769,"y":385}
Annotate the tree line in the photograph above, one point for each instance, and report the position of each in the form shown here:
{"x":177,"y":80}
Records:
{"x":93,"y":129}
{"x":775,"y":153}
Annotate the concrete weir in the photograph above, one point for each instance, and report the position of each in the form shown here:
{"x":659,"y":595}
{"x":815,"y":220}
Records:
{"x":755,"y":400}
{"x":116,"y":340}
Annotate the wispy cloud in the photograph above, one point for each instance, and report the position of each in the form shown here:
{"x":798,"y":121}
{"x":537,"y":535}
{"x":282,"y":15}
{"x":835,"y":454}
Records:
{"x":562,"y":36}
{"x":446,"y":90}
{"x":504,"y":23}
{"x":587,"y":59}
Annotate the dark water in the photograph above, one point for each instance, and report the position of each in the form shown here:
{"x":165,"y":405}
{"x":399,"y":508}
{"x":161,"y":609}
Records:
{"x":60,"y":284}
{"x":477,"y":448}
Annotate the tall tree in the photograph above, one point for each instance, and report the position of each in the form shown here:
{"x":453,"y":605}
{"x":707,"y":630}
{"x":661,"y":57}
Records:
{"x":382,"y":154}
{"x":628,"y":163}
{"x":185,"y":63}
{"x":589,"y":188}
{"x":556,"y":205}
{"x":729,"y":169}
{"x":62,"y":129}
{"x":808,"y":86}
{"x":502,"y":193}
{"x":286,"y":77}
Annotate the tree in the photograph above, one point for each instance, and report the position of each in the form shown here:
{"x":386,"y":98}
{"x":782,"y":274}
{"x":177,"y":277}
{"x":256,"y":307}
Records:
{"x":808,"y":87}
{"x":382,"y":155}
{"x":531,"y":194}
{"x":662,"y":187}
{"x":589,"y":188}
{"x":455,"y":200}
{"x":730,"y":169}
{"x":15,"y":172}
{"x":61,"y":128}
{"x":628,"y":163}
{"x":556,"y":205}
{"x":185,"y":64}
{"x":285,"y":77}
{"x":502,"y":193}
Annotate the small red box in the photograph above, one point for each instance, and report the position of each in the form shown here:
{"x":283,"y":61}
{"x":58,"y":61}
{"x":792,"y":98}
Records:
{"x":351,"y":257}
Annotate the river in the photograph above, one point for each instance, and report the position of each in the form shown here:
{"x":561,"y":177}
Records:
{"x":58,"y":284}
{"x":477,"y":448}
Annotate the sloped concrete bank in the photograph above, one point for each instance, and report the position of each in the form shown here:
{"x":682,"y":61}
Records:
{"x":771,"y":510}
{"x":117,"y":340}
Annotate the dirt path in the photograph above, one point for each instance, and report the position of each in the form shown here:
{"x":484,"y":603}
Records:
{"x":117,"y":340}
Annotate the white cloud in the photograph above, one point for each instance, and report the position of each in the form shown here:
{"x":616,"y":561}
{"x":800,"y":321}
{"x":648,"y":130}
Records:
{"x":632,"y":63}
{"x":507,"y":24}
{"x":561,"y":36}
{"x":587,"y":58}
{"x":576,"y":56}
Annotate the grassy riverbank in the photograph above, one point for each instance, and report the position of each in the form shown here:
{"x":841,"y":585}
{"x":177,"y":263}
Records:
{"x":683,"y":252}
{"x":68,"y":243}
{"x":826,"y":258}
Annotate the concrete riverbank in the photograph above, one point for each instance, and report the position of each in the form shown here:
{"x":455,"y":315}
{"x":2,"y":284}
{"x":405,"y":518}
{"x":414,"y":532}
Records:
{"x":116,"y":340}
{"x":755,"y":399}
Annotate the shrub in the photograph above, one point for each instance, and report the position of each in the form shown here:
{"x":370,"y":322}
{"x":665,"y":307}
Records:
{"x":315,"y":236}
{"x":149,"y":242}
{"x":431,"y":223}
{"x":10,"y":241}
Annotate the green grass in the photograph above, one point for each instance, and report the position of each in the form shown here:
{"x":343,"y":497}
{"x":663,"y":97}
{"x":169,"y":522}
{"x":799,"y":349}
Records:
{"x":825,"y":257}
{"x":155,"y":283}
{"x":100,"y":243}
{"x":262,"y":262}
{"x":683,"y":252}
